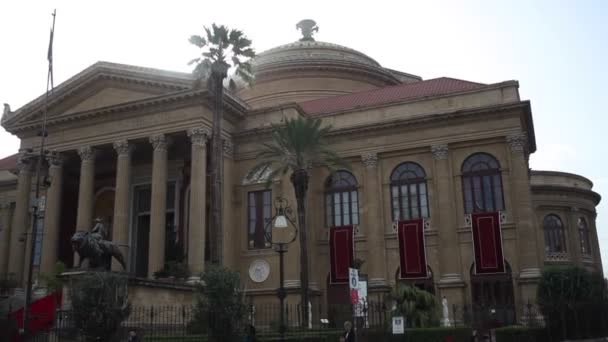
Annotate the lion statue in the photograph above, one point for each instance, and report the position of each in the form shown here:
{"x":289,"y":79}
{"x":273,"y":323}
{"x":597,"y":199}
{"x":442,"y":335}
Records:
{"x":93,"y":247}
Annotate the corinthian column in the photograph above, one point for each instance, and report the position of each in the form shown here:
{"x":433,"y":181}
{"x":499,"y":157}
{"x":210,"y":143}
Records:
{"x":20,"y":225}
{"x":52,"y":214}
{"x":156,"y":251}
{"x":373,"y":229}
{"x":84,"y":218}
{"x":120,"y":233}
{"x":197,"y":210}
{"x":529,"y":270}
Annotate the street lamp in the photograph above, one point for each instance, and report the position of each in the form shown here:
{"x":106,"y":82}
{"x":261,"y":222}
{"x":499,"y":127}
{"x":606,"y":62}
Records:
{"x":281,"y":223}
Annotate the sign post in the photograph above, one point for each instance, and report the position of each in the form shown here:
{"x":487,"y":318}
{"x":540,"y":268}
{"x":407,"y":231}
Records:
{"x":353,"y":285}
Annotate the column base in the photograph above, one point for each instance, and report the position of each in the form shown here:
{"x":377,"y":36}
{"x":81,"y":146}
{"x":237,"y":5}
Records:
{"x":450,"y":280}
{"x":529,"y":275}
{"x":377,"y":282}
{"x":194,"y":280}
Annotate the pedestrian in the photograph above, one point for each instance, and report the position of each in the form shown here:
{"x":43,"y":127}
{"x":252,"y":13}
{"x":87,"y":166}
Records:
{"x":133,"y":336}
{"x":349,"y":334}
{"x":250,"y":337}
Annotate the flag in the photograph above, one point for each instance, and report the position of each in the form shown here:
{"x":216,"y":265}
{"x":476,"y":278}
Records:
{"x":50,"y":52}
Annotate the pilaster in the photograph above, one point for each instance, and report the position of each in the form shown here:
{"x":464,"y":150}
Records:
{"x":373,"y":228}
{"x":451,"y":284}
{"x":20,"y":226}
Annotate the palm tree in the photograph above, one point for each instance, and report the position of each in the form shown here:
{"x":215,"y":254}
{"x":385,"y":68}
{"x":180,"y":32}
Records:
{"x":223,"y":50}
{"x":295,"y":148}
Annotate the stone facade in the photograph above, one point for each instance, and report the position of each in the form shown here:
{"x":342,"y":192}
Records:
{"x":136,"y":138}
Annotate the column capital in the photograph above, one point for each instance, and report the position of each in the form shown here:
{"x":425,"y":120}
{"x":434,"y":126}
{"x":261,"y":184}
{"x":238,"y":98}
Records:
{"x":25,"y":163}
{"x":517,"y":142}
{"x":440,"y":151}
{"x":370,"y":159}
{"x":228,"y":147}
{"x":122,"y":147}
{"x":86,"y":153}
{"x":55,"y":159}
{"x":159,"y":142}
{"x":199,"y":135}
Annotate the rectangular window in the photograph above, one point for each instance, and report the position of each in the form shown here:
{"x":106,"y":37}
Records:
{"x":259,"y":215}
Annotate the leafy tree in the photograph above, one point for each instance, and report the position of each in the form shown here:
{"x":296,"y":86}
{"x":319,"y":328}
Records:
{"x":220,"y":306}
{"x":295,"y":148}
{"x":419,"y":306}
{"x":222,"y":49}
{"x":99,"y":304}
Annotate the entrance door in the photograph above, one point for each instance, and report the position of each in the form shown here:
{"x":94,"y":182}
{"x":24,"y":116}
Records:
{"x":493,"y":299}
{"x":141,"y":231}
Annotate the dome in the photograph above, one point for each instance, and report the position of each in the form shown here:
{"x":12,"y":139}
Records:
{"x":308,"y":70}
{"x":310,"y":54}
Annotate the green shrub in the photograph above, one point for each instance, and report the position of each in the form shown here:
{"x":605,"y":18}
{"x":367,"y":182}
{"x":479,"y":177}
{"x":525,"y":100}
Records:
{"x":574,"y":302}
{"x":521,"y":334}
{"x":99,"y":304}
{"x":219,"y":309}
{"x":458,"y":334}
{"x":418,"y":305}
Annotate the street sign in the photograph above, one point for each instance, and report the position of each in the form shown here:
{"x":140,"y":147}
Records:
{"x":353,"y":276}
{"x":398,"y":325}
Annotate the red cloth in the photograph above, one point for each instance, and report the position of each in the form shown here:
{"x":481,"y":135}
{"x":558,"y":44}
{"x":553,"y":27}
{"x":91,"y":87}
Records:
{"x":42,"y":314}
{"x":412,"y":254}
{"x":487,"y":243}
{"x":342,"y":253}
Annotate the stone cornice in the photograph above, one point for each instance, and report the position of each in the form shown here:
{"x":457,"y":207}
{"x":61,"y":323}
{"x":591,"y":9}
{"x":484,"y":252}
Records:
{"x":553,"y":189}
{"x":103,"y":71}
{"x":232,"y":105}
{"x":409,"y":122}
{"x":561,"y":174}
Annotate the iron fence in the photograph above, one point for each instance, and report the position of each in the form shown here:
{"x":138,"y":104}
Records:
{"x":175,"y":323}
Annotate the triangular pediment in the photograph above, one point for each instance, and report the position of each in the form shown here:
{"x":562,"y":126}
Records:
{"x":101,"y":85}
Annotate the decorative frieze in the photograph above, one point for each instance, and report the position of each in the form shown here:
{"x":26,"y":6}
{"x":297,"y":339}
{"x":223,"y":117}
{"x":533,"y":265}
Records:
{"x":199,"y":135}
{"x":122,"y":147}
{"x":228,"y":147}
{"x":440,"y":152}
{"x":86,"y":153}
{"x":370,"y":160}
{"x":159,"y":142}
{"x":517,"y":142}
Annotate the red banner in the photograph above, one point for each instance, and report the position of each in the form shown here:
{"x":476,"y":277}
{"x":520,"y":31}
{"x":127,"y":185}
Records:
{"x":412,"y":254}
{"x":342,"y":253}
{"x":487,"y":243}
{"x":42,"y":314}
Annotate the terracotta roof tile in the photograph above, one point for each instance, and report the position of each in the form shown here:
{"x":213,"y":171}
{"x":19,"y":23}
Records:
{"x":9,"y":162}
{"x":432,"y":87}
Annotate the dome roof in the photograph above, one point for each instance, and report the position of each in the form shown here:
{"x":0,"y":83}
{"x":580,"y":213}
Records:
{"x":310,"y":54}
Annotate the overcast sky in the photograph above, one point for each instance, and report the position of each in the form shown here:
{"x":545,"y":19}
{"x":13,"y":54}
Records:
{"x":557,"y":50}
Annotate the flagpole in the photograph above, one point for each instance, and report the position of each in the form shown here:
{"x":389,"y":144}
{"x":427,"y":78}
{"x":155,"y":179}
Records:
{"x":37,"y":203}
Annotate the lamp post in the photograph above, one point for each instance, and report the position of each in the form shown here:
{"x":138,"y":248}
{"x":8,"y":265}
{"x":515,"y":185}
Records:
{"x":281,"y":222}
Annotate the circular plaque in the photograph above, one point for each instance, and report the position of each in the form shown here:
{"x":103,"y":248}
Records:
{"x":259,"y":270}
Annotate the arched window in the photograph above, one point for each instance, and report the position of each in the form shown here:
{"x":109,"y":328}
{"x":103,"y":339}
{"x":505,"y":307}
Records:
{"x":583,"y":233}
{"x":341,"y":200}
{"x":555,"y":241}
{"x":482,"y":184}
{"x":409,"y":199}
